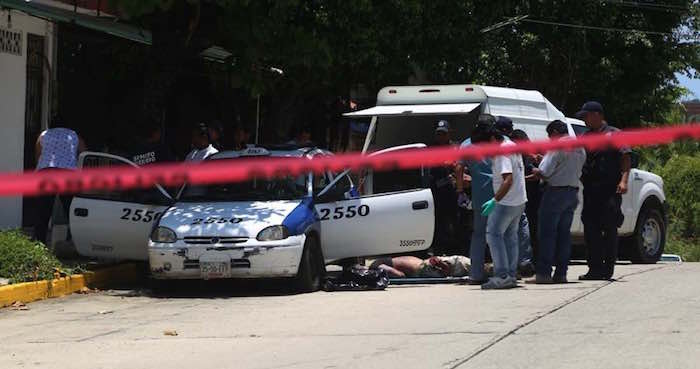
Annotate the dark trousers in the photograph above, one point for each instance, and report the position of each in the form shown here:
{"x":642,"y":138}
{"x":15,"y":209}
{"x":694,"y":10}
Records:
{"x":446,"y":223}
{"x":556,"y":215}
{"x":601,"y":217}
{"x":45,"y":204}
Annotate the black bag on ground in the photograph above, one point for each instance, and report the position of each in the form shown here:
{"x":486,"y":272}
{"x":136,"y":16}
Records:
{"x":357,"y":279}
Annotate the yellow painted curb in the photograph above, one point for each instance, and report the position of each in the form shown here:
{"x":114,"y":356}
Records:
{"x":39,"y":290}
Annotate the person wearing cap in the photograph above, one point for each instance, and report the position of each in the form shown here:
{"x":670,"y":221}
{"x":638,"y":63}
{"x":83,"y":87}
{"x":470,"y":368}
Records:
{"x":504,"y":125}
{"x":201,"y":145}
{"x":561,"y":171}
{"x":481,"y":192}
{"x":445,"y":192}
{"x":525,"y":268}
{"x":504,"y":211}
{"x":604,"y":177}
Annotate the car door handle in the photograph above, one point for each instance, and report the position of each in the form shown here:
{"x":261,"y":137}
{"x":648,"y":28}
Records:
{"x":80,"y":212}
{"x":420,"y":205}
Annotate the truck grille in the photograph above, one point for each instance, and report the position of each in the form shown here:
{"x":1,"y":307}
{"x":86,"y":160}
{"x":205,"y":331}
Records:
{"x":205,"y":240}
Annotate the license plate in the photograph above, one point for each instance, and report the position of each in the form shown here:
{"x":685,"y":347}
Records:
{"x":215,"y":269}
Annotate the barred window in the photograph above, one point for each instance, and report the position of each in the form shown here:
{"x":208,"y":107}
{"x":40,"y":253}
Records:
{"x":10,"y":41}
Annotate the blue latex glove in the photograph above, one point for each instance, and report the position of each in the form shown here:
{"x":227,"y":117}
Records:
{"x":487,"y":208}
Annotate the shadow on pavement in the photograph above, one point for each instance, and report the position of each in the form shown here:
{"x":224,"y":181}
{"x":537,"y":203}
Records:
{"x":212,"y":289}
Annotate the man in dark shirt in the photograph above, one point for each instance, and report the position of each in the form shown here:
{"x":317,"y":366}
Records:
{"x":604,"y":179}
{"x":445,"y":194}
{"x":533,"y":188}
{"x":150,"y":148}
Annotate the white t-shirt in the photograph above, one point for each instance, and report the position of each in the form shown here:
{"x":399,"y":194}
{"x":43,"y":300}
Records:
{"x":510,"y":164}
{"x":201,"y":154}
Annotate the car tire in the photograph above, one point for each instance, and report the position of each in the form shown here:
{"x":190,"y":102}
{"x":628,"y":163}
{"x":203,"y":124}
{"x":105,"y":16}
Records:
{"x":647,"y":243}
{"x":312,"y":267}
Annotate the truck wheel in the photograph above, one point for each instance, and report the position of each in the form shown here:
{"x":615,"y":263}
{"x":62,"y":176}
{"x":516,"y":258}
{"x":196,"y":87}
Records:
{"x":312,"y":267}
{"x":647,"y":242}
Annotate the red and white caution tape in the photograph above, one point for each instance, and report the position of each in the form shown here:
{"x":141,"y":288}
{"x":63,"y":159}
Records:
{"x":224,"y":171}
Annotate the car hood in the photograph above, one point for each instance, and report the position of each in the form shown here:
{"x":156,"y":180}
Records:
{"x":225,"y":219}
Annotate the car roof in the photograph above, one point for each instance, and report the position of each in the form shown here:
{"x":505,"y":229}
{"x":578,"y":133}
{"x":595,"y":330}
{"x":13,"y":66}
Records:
{"x":277,"y":151}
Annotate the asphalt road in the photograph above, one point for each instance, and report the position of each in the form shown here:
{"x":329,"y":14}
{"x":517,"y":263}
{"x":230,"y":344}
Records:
{"x":648,"y":318}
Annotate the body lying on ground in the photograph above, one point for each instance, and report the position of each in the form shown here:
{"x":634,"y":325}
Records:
{"x":433,"y":267}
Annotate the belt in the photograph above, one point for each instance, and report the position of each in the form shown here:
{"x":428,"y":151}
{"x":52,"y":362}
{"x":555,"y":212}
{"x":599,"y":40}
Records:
{"x":563,"y":188}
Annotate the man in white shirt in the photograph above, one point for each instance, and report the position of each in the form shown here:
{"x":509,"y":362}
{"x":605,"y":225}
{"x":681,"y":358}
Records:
{"x":504,"y":211}
{"x":202,"y":147}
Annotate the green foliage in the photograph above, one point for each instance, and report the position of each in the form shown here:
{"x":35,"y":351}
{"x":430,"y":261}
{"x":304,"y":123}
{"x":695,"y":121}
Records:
{"x":687,"y":248}
{"x":24,"y":260}
{"x":328,"y":47}
{"x":681,"y":175}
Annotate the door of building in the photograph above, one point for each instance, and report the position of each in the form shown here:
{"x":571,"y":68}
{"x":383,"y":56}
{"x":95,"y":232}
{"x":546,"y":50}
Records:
{"x":32,"y":115}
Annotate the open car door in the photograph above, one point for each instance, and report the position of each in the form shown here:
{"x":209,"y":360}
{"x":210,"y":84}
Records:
{"x":393,"y":219}
{"x":115,"y":225}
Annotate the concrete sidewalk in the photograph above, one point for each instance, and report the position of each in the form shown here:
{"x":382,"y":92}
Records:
{"x":647,"y":319}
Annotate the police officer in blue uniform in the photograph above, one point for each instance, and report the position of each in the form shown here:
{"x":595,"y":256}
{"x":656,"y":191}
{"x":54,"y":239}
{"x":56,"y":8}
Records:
{"x":604,"y":179}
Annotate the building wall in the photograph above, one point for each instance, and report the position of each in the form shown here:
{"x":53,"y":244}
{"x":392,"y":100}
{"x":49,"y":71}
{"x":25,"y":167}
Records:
{"x":12,"y":104}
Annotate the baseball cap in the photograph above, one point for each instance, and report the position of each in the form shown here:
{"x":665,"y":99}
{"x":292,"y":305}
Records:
{"x":589,"y":107}
{"x":504,"y":124}
{"x":484,"y":128}
{"x":442,"y":126}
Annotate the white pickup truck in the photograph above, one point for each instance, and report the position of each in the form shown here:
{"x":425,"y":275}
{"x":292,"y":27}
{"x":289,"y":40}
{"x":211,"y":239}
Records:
{"x":407,"y":114}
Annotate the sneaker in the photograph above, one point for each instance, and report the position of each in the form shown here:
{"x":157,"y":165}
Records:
{"x":543,"y":279}
{"x":512,"y":283}
{"x":498,"y":283}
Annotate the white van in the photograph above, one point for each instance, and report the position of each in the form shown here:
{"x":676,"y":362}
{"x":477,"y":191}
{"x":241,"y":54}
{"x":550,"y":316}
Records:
{"x":407,"y":114}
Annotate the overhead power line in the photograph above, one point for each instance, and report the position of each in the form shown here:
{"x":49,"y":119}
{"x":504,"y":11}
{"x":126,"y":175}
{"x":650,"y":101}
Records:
{"x":605,"y":29}
{"x":648,"y":6}
{"x":509,"y":21}
{"x":527,"y":19}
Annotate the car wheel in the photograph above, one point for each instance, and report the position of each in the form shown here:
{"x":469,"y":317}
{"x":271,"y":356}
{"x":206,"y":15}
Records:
{"x":647,"y":242}
{"x":312,"y":267}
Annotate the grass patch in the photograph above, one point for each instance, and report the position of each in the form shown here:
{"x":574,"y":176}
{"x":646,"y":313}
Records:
{"x":24,"y":260}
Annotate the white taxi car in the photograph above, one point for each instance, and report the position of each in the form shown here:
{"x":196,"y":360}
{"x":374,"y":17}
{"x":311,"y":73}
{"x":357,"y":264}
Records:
{"x":262,"y":228}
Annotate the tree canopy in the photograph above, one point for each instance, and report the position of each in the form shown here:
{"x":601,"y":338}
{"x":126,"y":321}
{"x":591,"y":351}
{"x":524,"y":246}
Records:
{"x":624,"y":54}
